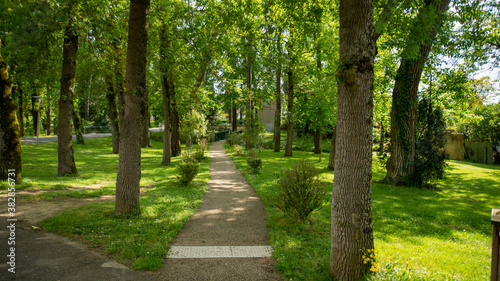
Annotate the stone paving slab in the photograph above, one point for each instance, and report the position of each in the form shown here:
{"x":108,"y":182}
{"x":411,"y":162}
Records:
{"x":198,"y":252}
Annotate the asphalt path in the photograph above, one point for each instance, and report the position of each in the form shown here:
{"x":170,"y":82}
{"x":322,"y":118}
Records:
{"x":32,"y":140}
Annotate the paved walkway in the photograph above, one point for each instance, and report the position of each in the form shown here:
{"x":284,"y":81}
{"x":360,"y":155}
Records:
{"x":227,"y":238}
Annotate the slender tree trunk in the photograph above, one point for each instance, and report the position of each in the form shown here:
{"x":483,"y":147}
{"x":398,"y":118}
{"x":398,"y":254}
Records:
{"x":120,"y":94}
{"x":113,"y":112}
{"x":176,"y":129}
{"x":10,"y":140}
{"x":317,"y":141}
{"x":78,"y":122}
{"x":48,"y":113}
{"x":331,"y":159}
{"x":65,"y":153}
{"x":146,"y":142}
{"x":167,"y":85}
{"x":21,"y":110}
{"x":352,"y":228}
{"x":34,"y":113}
{"x":382,"y":137}
{"x":249,"y":112}
{"x":235,"y":118}
{"x":277,"y":112}
{"x":400,"y":165}
{"x":289,"y":125}
{"x":129,"y":164}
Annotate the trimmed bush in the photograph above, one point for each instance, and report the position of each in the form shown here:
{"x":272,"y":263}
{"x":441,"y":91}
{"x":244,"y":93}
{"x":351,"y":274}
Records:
{"x":188,"y":167}
{"x":301,"y":191}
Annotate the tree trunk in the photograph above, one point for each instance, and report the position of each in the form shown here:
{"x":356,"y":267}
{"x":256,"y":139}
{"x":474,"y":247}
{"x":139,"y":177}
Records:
{"x":113,"y":112}
{"x":10,"y":140}
{"x":146,"y":142}
{"x":400,"y":165}
{"x":65,"y":153}
{"x":78,"y":123}
{"x":352,"y":228}
{"x":277,"y":112}
{"x":289,"y":124}
{"x":235,"y":118}
{"x":21,"y":110}
{"x":382,"y":137}
{"x":129,"y":164}
{"x":34,"y":113}
{"x":48,"y":113}
{"x":331,"y":159}
{"x":167,"y":86}
{"x":317,"y":141}
{"x":176,"y":128}
{"x":249,"y":112}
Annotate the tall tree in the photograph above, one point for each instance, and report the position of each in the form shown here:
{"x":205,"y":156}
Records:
{"x":277,"y":114}
{"x":10,"y":140}
{"x":129,"y":164}
{"x":167,"y":85}
{"x":289,"y":123}
{"x":66,"y":159}
{"x":352,"y":228}
{"x":400,"y":165}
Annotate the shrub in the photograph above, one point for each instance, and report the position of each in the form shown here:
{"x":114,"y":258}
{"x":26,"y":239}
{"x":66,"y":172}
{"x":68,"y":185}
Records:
{"x":235,"y":138}
{"x":430,"y":158}
{"x":238,"y":150}
{"x":301,"y":191}
{"x":199,"y":154}
{"x":254,"y":163}
{"x":188,"y":167}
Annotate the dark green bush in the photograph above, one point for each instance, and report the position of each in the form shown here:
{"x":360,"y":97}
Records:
{"x":301,"y":191}
{"x":254,"y":163}
{"x":235,"y":138}
{"x":430,"y":158}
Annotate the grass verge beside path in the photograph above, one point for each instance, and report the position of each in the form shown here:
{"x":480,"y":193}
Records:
{"x":140,"y":241}
{"x":420,"y":234}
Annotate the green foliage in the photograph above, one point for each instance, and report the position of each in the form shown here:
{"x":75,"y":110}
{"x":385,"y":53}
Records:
{"x":254,"y":161}
{"x":430,"y":156}
{"x":188,"y":167}
{"x":486,"y":125}
{"x":199,"y":154}
{"x":238,"y":150}
{"x":301,"y":191}
{"x":235,"y":139}
{"x":194,"y":125}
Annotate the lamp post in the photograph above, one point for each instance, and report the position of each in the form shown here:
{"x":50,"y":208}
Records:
{"x":39,"y":98}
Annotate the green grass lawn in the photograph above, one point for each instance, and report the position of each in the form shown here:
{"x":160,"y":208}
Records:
{"x":141,"y":241}
{"x":420,"y":234}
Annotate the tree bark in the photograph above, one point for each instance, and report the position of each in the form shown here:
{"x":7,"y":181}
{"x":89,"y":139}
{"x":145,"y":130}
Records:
{"x":113,"y":112}
{"x":21,"y":110}
{"x":249,"y":112}
{"x":235,"y":118}
{"x":317,"y":141}
{"x":167,"y":85}
{"x":400,"y":165}
{"x":48,"y":113}
{"x":289,"y":124}
{"x":352,"y":229}
{"x":34,"y":113}
{"x":77,"y":122}
{"x":129,"y":164}
{"x":331,"y":159}
{"x":65,"y":153}
{"x":146,"y":142}
{"x":277,"y":113}
{"x":176,"y":128}
{"x":10,"y":139}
